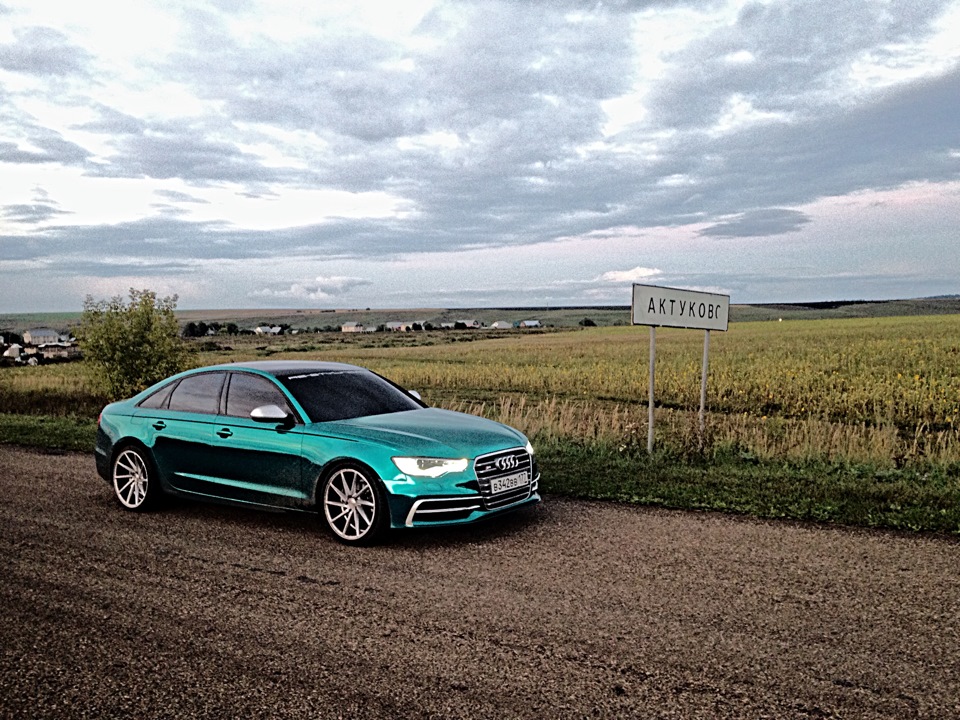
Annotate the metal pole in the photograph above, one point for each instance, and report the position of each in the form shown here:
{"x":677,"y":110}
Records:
{"x":653,"y":358}
{"x":703,"y":385}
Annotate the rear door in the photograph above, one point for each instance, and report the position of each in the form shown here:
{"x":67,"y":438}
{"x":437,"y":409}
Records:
{"x":179,"y":428}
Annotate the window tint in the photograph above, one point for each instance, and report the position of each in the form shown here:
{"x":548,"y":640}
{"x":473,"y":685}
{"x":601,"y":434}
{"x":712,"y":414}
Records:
{"x":247,"y":392}
{"x":158,"y":399}
{"x":198,"y":393}
{"x":341,"y":395}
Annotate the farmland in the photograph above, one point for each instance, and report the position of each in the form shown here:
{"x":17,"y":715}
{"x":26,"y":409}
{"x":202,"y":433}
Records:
{"x":848,"y":420}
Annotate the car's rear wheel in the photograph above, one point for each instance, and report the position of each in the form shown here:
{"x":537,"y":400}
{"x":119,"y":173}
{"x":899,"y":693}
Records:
{"x":354,"y":506}
{"x":133,"y":480}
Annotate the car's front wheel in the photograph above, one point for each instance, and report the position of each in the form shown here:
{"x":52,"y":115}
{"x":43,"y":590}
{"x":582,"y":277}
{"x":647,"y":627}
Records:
{"x":354,"y":506}
{"x":133,"y":480}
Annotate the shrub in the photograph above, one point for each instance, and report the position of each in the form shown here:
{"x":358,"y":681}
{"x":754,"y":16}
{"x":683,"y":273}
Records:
{"x":131,"y":345}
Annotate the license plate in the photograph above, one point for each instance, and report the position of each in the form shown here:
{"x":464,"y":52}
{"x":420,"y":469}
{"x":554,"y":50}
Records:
{"x":509,"y":482}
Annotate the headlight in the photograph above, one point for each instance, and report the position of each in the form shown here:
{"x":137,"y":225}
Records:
{"x":529,"y":447}
{"x":430,"y":467}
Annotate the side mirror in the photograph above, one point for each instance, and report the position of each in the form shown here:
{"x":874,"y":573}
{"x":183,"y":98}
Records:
{"x":269,"y":414}
{"x":414,"y":393}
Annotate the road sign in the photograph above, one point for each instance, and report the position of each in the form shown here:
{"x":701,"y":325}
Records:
{"x":672,"y":307}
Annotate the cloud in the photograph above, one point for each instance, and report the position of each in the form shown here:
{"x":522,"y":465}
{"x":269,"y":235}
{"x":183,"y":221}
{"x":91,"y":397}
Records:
{"x":638,"y":274}
{"x":51,"y":148}
{"x":321,"y":288}
{"x":125,"y":267}
{"x":42,"y":51}
{"x":801,"y":58}
{"x":177,"y":196}
{"x":112,"y":122}
{"x":184,"y":150}
{"x":31,"y":213}
{"x":759,"y":223}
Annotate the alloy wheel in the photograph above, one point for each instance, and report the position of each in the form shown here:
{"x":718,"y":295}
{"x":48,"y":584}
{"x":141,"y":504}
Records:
{"x":351,"y":505}
{"x":131,"y":479}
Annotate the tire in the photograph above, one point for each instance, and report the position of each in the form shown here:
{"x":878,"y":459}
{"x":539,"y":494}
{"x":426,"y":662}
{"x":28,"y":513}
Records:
{"x":134,"y":482}
{"x":354,"y":506}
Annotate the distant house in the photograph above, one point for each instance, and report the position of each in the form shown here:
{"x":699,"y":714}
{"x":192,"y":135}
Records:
{"x":530,"y":324}
{"x":268,"y":330}
{"x":470,"y":323}
{"x":401,"y":326}
{"x":351,"y":327}
{"x":59,"y":351}
{"x":39,"y":336}
{"x":502,"y":325}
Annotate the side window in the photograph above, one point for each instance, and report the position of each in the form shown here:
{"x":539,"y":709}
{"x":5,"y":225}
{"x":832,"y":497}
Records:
{"x":198,"y":394}
{"x":158,"y":400}
{"x":248,"y":391}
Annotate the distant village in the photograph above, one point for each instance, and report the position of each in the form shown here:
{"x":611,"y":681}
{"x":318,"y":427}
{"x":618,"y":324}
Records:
{"x":36,"y":346}
{"x":201,"y":329}
{"x":397,"y":326}
{"x":45,"y":345}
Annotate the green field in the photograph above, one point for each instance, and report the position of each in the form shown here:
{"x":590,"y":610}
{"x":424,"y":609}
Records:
{"x":848,"y":420}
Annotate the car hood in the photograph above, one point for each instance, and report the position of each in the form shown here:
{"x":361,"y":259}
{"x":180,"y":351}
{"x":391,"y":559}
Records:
{"x":426,"y":431}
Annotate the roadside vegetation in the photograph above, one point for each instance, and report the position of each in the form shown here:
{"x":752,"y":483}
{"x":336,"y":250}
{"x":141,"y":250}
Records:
{"x":130,"y":345}
{"x":852,"y":421}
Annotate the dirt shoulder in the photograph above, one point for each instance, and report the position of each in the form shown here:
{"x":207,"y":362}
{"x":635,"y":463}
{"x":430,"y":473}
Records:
{"x":572,"y":609}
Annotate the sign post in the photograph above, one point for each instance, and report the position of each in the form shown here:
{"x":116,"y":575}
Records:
{"x":653,"y":363}
{"x":672,"y":307}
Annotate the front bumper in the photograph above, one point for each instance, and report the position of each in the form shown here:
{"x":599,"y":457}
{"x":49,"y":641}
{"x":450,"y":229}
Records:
{"x":490,"y":486}
{"x":459,"y":509}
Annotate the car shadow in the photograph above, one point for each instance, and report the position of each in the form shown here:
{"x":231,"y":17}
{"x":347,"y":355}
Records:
{"x":493,"y":529}
{"x":487,"y":530}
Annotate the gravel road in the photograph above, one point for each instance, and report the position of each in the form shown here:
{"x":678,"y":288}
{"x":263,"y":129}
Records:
{"x":570,"y":609}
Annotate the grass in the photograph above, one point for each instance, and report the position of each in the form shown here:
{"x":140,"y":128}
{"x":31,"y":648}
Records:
{"x":71,"y":434}
{"x":836,"y":493}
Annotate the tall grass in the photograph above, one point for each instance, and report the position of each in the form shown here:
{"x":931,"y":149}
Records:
{"x":886,"y":371}
{"x":57,"y":390}
{"x":625,"y":428}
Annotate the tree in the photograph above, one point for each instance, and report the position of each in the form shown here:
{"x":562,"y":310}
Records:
{"x":131,"y":345}
{"x":587,"y":322}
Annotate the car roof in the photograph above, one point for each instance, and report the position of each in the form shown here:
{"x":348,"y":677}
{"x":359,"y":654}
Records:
{"x":283,"y":368}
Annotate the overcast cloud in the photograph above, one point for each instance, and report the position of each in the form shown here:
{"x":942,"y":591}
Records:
{"x":424,"y":154}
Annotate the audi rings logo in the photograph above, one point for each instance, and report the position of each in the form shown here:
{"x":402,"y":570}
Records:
{"x":507,"y":462}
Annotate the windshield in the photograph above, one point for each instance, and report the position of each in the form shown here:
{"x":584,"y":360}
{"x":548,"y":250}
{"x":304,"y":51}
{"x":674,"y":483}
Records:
{"x":343,"y":395}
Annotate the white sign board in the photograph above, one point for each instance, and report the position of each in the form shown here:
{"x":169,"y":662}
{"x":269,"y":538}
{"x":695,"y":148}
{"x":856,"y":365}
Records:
{"x":671,"y":307}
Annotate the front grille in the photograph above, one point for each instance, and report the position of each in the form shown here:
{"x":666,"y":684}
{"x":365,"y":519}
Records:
{"x":499,"y":465}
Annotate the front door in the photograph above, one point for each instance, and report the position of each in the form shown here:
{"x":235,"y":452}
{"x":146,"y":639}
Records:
{"x":257,"y":461}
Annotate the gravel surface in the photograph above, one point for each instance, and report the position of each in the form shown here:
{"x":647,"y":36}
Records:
{"x":570,"y":609}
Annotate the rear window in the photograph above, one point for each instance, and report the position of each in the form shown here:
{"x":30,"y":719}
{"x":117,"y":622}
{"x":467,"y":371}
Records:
{"x":344,"y":395}
{"x":158,"y":400}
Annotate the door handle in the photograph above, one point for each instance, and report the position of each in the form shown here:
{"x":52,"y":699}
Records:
{"x":225,"y":432}
{"x":159,"y":425}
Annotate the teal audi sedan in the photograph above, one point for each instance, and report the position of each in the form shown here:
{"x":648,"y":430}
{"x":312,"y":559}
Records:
{"x":330,"y":438}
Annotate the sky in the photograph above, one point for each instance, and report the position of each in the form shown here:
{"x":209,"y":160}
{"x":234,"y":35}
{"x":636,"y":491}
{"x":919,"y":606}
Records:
{"x":253,"y":154}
